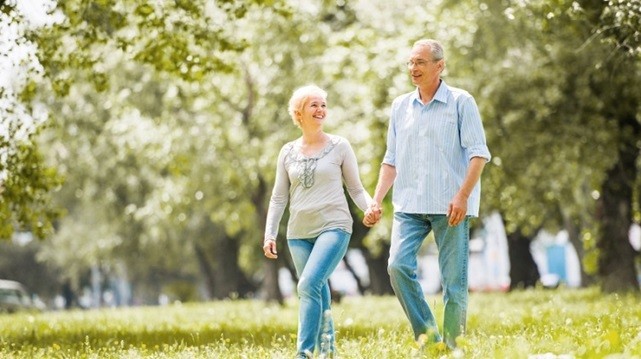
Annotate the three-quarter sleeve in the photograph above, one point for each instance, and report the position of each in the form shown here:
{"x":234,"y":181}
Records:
{"x":279,"y":198}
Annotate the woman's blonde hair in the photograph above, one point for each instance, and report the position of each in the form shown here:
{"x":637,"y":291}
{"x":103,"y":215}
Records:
{"x":300,"y":96}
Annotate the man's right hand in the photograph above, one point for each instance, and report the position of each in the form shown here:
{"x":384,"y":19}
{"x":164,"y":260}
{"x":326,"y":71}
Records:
{"x":372,"y":215}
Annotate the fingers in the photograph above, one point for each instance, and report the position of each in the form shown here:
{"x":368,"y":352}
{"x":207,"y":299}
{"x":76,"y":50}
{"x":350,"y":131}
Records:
{"x":367,"y":223}
{"x":455,"y":217}
{"x":372,"y":215}
{"x":454,"y":220}
{"x":269,"y":248}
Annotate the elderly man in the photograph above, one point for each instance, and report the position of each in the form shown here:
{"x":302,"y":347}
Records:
{"x":436,"y":151}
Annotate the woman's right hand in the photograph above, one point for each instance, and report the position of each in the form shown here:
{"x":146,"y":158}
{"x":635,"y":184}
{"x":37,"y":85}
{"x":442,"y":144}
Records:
{"x":372,"y":215}
{"x":269,"y":247}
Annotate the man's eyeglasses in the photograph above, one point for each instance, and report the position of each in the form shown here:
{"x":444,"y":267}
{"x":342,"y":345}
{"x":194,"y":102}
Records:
{"x":419,"y":63}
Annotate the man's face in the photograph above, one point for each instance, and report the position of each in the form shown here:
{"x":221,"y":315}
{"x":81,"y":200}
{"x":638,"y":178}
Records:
{"x":422,"y":68}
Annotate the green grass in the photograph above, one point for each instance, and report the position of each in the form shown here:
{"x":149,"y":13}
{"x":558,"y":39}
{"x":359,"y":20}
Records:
{"x":531,"y":324}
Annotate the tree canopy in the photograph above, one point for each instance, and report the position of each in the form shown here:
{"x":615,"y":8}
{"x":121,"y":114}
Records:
{"x":165,"y":119}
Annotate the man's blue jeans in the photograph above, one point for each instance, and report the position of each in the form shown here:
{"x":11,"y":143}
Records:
{"x":315,"y":259}
{"x":408,"y":233}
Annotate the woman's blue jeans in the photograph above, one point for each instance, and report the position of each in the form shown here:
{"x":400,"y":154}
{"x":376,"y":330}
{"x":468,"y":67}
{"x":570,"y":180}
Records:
{"x":315,"y":259}
{"x":408,"y":233}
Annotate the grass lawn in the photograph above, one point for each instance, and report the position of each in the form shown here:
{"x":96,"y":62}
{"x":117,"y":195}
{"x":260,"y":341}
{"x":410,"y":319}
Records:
{"x":540,"y":323}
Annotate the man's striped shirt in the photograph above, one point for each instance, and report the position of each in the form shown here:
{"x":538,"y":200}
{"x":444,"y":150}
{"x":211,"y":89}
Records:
{"x":431,"y":146}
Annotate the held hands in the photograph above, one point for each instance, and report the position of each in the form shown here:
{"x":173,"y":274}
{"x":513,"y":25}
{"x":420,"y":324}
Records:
{"x":269,"y":247}
{"x":372,"y":215}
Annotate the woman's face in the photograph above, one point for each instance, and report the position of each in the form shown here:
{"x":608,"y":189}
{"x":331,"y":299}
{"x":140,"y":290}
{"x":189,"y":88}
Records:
{"x":314,"y":111}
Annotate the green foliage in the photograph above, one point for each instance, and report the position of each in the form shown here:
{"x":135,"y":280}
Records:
{"x":621,"y":24}
{"x":153,"y":138}
{"x":26,"y":180}
{"x":543,"y":81}
{"x":547,"y":76}
{"x":25,"y":201}
{"x":538,"y":323}
{"x":187,"y":39}
{"x":169,"y":115}
{"x":525,"y":86}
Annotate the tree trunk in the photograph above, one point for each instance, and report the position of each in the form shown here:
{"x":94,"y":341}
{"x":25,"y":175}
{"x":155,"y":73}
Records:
{"x":205,"y":268}
{"x":269,"y":286}
{"x":379,"y":282}
{"x":230,"y":280}
{"x":359,"y":282}
{"x":574,"y":236}
{"x":616,"y":271}
{"x":523,"y":270}
{"x":359,"y":233}
{"x":217,"y":255}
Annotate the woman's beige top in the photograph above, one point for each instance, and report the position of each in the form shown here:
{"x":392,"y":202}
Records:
{"x":313,"y":186}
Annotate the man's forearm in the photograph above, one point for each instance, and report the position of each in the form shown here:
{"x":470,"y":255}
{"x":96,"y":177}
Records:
{"x":386,"y":178}
{"x":472,"y":176}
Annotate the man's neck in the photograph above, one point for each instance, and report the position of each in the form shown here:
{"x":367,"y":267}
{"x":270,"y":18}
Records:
{"x":426,"y":93}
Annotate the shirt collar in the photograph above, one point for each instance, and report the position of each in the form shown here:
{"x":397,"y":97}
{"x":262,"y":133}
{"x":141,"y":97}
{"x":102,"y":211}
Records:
{"x":440,"y":95}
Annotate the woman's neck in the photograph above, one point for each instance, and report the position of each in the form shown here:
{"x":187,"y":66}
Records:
{"x":311,"y":137}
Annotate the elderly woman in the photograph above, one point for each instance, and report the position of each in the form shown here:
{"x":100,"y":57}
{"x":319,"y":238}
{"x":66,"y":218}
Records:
{"x":310,"y":173}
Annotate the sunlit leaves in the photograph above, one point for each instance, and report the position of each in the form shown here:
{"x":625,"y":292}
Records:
{"x":537,"y":115}
{"x":144,"y":10}
{"x":621,"y":23}
{"x":25,"y":186}
{"x":186,"y":39}
{"x":186,"y":109}
{"x":548,"y":85}
{"x":25,"y":178}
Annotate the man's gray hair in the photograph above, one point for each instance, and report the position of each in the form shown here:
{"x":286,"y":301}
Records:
{"x":435,"y":48}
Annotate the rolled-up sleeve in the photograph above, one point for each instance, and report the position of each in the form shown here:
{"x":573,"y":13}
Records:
{"x":472,"y":132}
{"x":390,"y":152}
